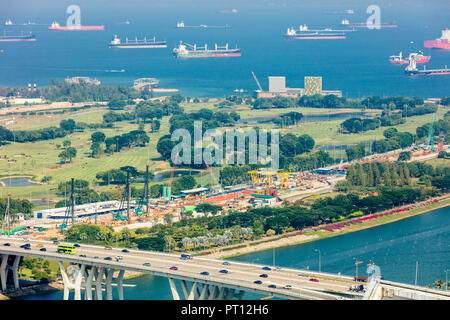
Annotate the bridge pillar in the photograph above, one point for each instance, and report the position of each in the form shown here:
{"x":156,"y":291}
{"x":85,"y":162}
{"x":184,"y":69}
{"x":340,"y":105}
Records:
{"x":173,"y":289}
{"x":88,"y":276}
{"x":3,"y":273}
{"x":119,"y":280}
{"x":15,"y":270}
{"x":108,"y":283}
{"x":213,"y":293}
{"x":72,"y":280}
{"x":98,"y":283}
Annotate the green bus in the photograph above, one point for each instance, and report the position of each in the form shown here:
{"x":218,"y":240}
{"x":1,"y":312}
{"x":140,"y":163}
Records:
{"x":66,"y":249}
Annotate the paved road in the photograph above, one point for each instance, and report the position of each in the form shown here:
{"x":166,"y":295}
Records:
{"x":239,"y":274}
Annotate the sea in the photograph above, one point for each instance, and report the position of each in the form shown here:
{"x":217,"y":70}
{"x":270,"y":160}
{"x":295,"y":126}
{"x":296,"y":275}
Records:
{"x":358,"y":65}
{"x":396,"y":248}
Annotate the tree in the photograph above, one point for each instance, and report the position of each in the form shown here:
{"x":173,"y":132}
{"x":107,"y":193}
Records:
{"x":404,"y":156}
{"x":68,"y":154}
{"x":95,"y":149}
{"x":98,"y":137}
{"x":68,"y":125}
{"x":67,"y":143}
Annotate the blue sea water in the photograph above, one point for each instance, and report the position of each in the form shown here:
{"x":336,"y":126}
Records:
{"x":394,"y":247}
{"x":357,"y":65}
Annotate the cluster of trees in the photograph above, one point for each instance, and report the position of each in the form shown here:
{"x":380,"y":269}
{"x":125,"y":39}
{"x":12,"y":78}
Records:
{"x":441,"y":127}
{"x":112,"y":117}
{"x":306,"y":162}
{"x":276,"y":102}
{"x":62,"y":91}
{"x":291,"y":145}
{"x":65,"y":127}
{"x":288,"y":119}
{"x":356,"y":125}
{"x":82,"y":193}
{"x":135,"y":138}
{"x":15,"y":206}
{"x":399,"y":174}
{"x":119,"y":176}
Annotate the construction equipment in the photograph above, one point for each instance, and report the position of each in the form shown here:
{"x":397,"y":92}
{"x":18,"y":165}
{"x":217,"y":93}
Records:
{"x":257,"y":82}
{"x":139,"y":211}
{"x":70,"y":210}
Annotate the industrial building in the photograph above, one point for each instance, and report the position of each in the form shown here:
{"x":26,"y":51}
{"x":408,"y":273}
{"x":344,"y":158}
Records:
{"x":277,"y":87}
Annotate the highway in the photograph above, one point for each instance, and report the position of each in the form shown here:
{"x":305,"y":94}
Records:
{"x":240,"y":276}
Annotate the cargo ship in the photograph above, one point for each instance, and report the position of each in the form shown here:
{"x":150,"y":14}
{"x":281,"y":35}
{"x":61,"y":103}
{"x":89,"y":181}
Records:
{"x":182,"y":25}
{"x":417,"y":56}
{"x":136,"y":43}
{"x":55,"y":26}
{"x":441,"y":43}
{"x":304,"y":33}
{"x":182,"y":51}
{"x":411,"y":69}
{"x":347,"y":23}
{"x":9,"y":23}
{"x":29,"y":37}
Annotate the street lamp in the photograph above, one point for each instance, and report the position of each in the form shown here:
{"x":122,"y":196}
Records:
{"x":320,"y":258}
{"x":356,"y":267}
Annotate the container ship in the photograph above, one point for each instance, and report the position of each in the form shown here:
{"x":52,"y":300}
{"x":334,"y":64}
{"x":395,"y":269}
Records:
{"x":417,"y":56}
{"x":347,"y":23}
{"x":441,"y":43}
{"x":56,"y":26}
{"x":304,"y":34}
{"x":136,"y":43}
{"x":182,"y":51}
{"x":29,"y":37}
{"x":411,"y":69}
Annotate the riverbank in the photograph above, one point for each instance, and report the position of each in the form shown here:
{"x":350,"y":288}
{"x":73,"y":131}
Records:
{"x":36,"y":289}
{"x":251,"y":247}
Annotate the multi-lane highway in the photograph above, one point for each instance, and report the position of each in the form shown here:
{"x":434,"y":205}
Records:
{"x":283,"y":282}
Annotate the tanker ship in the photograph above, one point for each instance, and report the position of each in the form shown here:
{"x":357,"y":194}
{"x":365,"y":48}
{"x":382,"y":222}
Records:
{"x":182,"y":51}
{"x":347,"y":23}
{"x":304,"y":33}
{"x":411,"y":69}
{"x":441,"y":43}
{"x":130,"y":44}
{"x":417,"y":56}
{"x":55,"y":26}
{"x":9,"y":23}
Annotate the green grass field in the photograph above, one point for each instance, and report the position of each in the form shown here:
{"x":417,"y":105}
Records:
{"x":39,"y":159}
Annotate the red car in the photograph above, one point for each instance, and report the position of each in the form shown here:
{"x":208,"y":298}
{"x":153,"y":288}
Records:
{"x":173,"y":268}
{"x":313,"y":280}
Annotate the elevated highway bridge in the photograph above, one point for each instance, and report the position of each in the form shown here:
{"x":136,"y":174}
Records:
{"x":198,"y":278}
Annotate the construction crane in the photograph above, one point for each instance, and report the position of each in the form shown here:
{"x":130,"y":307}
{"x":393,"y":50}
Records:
{"x":257,"y":82}
{"x":213,"y":178}
{"x":430,"y":144}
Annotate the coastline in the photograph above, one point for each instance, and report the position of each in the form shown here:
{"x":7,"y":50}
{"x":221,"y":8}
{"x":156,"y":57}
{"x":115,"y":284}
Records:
{"x":323,"y":234}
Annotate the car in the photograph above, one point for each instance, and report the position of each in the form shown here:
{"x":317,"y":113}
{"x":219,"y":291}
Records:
{"x":288,"y":287}
{"x":42,"y":249}
{"x":39,"y":245}
{"x":125,"y":250}
{"x":226,"y":263}
{"x":278,"y":268}
{"x":266,"y":268}
{"x":107,"y":258}
{"x":147,"y":264}
{"x":26,"y":245}
{"x":108,"y":248}
{"x":55,"y":242}
{"x":204,"y":273}
{"x":27,"y":248}
{"x":119,"y":257}
{"x":264,"y":275}
{"x":96,"y":257}
{"x":173,"y":268}
{"x":223,"y":271}
{"x":272,"y":286}
{"x":83,"y":255}
{"x":314,"y":280}
{"x":76,"y":245}
{"x":257,"y":281}
{"x":7,"y":244}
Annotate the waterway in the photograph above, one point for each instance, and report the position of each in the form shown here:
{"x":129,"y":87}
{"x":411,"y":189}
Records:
{"x":394,"y":247}
{"x":17,"y":182}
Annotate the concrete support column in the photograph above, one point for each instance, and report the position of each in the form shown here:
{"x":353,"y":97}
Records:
{"x":15,"y":270}
{"x":221,"y":293}
{"x":204,"y":292}
{"x":193,"y":293}
{"x":213,"y":293}
{"x":174,"y":290}
{"x":108,"y":283}
{"x":184,"y":288}
{"x":88,"y":276}
{"x":240,"y":295}
{"x":98,"y":283}
{"x":229,"y":295}
{"x":74,"y":282}
{"x":3,"y":274}
{"x":119,"y":281}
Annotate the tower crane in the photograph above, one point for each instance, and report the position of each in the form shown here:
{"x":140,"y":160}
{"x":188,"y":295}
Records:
{"x":257,"y":82}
